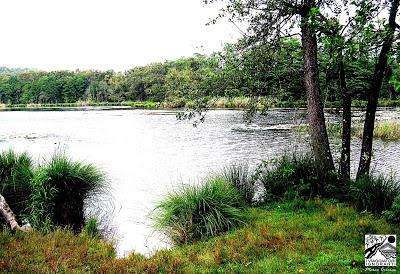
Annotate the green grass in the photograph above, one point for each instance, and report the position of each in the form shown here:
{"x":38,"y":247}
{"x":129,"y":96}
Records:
{"x":60,"y":188}
{"x":91,"y":228}
{"x":295,"y":176}
{"x":213,"y":230}
{"x":15,"y":176}
{"x":196,"y":212}
{"x":373,"y":194}
{"x":241,"y":178}
{"x":393,"y":214}
{"x":52,"y":194}
{"x":316,"y":236}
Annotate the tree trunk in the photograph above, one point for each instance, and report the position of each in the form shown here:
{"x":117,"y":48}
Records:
{"x":8,"y":215}
{"x":319,"y":136}
{"x":344,"y":169}
{"x":373,"y":95}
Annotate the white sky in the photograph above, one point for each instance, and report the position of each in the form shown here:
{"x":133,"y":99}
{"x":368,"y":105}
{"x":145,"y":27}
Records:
{"x":106,"y":34}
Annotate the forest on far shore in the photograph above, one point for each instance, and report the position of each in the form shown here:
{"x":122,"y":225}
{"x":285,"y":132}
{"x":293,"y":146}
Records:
{"x":237,"y":71}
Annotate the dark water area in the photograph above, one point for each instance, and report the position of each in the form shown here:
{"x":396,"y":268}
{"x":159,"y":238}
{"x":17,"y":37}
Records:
{"x":147,"y":153}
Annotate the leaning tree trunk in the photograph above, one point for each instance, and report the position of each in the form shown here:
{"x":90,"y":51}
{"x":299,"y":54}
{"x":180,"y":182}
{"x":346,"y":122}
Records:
{"x":373,"y":95}
{"x":344,"y":169}
{"x":8,"y":215}
{"x":319,"y":136}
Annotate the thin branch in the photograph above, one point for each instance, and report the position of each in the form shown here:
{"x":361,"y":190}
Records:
{"x":238,"y":28}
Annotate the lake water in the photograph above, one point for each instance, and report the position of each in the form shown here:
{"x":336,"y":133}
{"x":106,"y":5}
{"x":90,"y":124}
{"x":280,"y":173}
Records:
{"x":147,"y":153}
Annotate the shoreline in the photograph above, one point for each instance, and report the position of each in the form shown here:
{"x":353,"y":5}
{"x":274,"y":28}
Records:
{"x":79,"y":106}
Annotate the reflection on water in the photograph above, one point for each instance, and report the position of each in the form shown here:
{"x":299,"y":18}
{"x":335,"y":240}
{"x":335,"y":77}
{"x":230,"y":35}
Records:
{"x":146,"y":153}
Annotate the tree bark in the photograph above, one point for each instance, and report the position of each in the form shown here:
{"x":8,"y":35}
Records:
{"x":8,"y":215}
{"x":373,"y":95}
{"x":319,"y":136}
{"x":344,"y":168}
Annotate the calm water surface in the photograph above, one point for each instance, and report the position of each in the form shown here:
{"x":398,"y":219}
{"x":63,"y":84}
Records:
{"x":147,"y":153}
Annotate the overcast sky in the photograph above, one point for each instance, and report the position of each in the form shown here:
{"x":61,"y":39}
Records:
{"x":106,"y":34}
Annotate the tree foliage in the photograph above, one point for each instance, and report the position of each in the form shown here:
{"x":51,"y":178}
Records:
{"x":234,"y":72}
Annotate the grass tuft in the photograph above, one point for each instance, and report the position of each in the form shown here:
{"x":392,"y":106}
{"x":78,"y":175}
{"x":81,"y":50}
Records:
{"x":385,"y":130}
{"x":374,"y":194}
{"x":393,"y":214}
{"x":15,"y":176}
{"x":242,"y":180}
{"x":295,"y":176}
{"x":196,"y":212}
{"x":91,"y":229}
{"x":60,"y":189}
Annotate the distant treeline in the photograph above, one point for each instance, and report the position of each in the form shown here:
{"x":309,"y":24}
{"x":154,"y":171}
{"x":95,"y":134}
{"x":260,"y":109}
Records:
{"x":234,"y":72}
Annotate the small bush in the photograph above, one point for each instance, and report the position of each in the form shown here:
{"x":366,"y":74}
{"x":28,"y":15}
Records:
{"x":393,"y":215}
{"x":374,"y":194}
{"x":196,"y":212}
{"x":295,"y":176}
{"x":241,"y":179}
{"x":60,"y":189}
{"x":15,"y":176}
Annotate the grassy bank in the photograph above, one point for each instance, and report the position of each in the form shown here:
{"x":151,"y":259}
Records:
{"x":305,"y":221}
{"x":213,"y":103}
{"x":312,"y":236}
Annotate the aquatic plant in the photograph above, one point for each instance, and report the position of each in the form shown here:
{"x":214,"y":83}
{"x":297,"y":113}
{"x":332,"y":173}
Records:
{"x":60,"y":188}
{"x":195,"y":212}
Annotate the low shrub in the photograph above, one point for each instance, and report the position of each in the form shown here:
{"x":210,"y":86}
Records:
{"x":196,"y":212}
{"x":15,"y":176}
{"x":393,"y":214}
{"x":241,"y":179}
{"x":59,"y":190}
{"x":373,"y":194}
{"x":295,"y":176}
